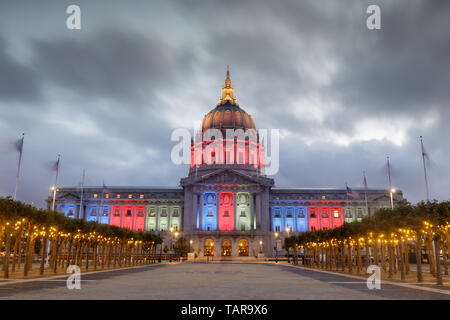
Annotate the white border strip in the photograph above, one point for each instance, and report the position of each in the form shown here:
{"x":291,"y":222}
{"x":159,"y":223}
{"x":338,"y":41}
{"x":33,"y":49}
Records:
{"x":405,"y":285}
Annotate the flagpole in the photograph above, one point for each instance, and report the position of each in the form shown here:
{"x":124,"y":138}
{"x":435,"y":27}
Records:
{"x":18,"y":167}
{"x":389,"y":173}
{"x":56,"y":183}
{"x":425,"y":169}
{"x":100,"y":211}
{"x":80,"y":216}
{"x":365,"y":193}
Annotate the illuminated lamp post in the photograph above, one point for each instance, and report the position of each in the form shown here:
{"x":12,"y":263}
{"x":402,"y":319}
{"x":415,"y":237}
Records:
{"x":288,"y":230}
{"x":171,"y":243}
{"x":392,"y":191}
{"x":276,"y":246}
{"x":54,"y":197}
{"x":190,"y":245}
{"x":260,"y":246}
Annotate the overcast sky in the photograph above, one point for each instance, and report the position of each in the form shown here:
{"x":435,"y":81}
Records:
{"x":108,"y":96}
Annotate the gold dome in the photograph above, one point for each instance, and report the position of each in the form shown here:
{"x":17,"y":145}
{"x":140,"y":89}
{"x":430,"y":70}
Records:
{"x":227,"y":114}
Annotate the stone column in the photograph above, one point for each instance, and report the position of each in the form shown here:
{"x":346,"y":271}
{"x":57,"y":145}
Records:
{"x":258,"y":212}
{"x":187,"y":210}
{"x":194,"y":208}
{"x":156,"y":218}
{"x":252,"y":213}
{"x":264,"y":215}
{"x":217,"y":209}
{"x":200,"y":216}
{"x":295,"y":220}
{"x":236,"y":217}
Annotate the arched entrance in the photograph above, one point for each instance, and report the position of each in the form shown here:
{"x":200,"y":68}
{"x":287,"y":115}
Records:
{"x":243,"y":247}
{"x":208,"y":247}
{"x":226,"y":247}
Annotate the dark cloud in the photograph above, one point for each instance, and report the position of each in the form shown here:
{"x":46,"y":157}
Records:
{"x":18,"y":82}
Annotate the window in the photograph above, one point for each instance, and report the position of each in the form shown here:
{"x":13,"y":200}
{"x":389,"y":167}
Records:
{"x":336,"y":213}
{"x":70,"y":213}
{"x":226,"y":214}
{"x":243,"y":214}
{"x":95,"y":196}
{"x":324,"y":197}
{"x":140,"y":213}
{"x":242,"y":227}
{"x":324,"y":213}
{"x":301,"y":213}
{"x":289,"y":213}
{"x":359,"y":213}
{"x":105,"y":212}
{"x":277,"y":214}
{"x":141,"y":196}
{"x":164,"y":213}
{"x":176,"y":213}
{"x":210,"y":214}
{"x":130,"y":196}
{"x":117,"y":212}
{"x":93,"y":212}
{"x":118,"y":196}
{"x":152,"y":213}
{"x":107,"y":196}
{"x":128,"y":212}
{"x":348,"y":213}
{"x":313,"y":214}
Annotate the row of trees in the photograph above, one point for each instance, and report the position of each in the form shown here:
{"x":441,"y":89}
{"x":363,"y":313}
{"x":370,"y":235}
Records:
{"x":388,"y":239}
{"x":26,"y":231}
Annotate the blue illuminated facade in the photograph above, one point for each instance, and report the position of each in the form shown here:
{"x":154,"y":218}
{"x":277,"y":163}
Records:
{"x":209,"y":212}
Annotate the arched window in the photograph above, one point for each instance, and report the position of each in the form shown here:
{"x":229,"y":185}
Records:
{"x":243,"y":247}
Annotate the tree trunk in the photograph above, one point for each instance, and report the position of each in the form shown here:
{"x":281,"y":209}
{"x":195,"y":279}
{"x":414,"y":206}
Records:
{"x":438,"y":262}
{"x":7,"y":252}
{"x":402,"y":260}
{"x":391,"y":260}
{"x":359,"y":258}
{"x":43,"y":251}
{"x":367,"y":259}
{"x":16,"y":244}
{"x":383,"y":256}
{"x":349,"y":258}
{"x":375,"y":252}
{"x":419,"y":256}
{"x":431,"y":257}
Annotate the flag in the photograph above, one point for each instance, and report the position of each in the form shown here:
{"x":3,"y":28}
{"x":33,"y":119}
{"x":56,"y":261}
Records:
{"x":352,"y":193}
{"x":105,"y":189}
{"x":19,"y":144}
{"x":365,"y":181}
{"x":55,"y":166}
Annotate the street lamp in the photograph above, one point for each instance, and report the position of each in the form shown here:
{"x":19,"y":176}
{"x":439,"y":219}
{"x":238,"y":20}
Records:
{"x":54,"y":197}
{"x":171,"y":243}
{"x":276,"y":247}
{"x":190,"y":245}
{"x":260,"y":246}
{"x":288,"y":230}
{"x":392,"y":191}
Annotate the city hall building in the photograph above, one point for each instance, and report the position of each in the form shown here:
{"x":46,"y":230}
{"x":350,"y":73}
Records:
{"x":226,"y":209}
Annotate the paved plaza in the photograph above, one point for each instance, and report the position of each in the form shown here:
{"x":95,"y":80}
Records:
{"x":206,"y":281}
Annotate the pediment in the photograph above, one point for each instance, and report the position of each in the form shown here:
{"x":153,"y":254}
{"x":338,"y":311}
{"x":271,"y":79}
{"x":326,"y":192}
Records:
{"x":228,"y":176}
{"x":67,"y":195}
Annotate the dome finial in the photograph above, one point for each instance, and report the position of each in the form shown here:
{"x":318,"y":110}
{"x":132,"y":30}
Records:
{"x":227,"y":90}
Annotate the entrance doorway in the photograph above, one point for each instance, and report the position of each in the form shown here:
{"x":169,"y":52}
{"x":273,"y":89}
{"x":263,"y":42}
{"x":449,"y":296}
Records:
{"x":208,"y":247}
{"x":226,"y":247}
{"x":243,"y":247}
